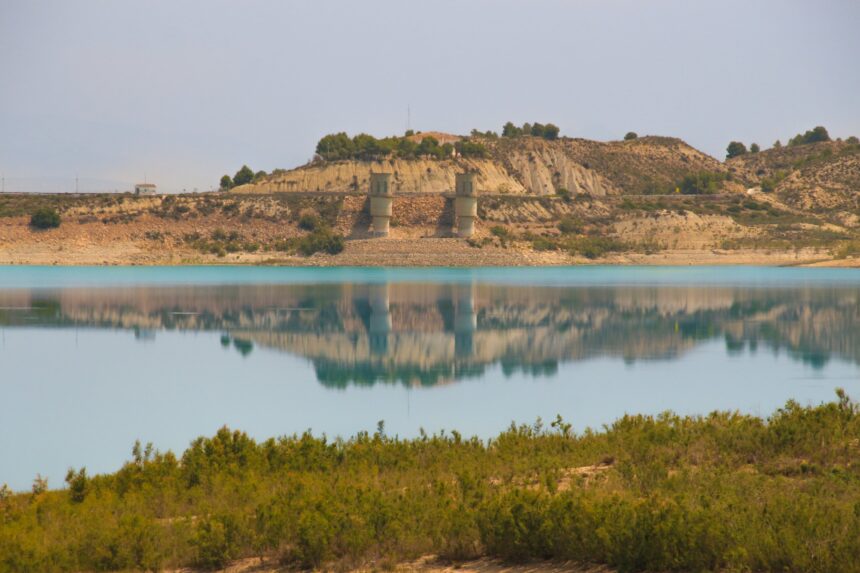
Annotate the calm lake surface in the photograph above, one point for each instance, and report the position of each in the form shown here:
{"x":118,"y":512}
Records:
{"x":92,"y":359}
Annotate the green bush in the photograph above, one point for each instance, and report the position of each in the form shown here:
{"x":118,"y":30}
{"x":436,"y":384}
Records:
{"x":470,"y":149}
{"x":768,"y":184}
{"x":321,"y":240}
{"x":45,"y":218}
{"x":243,"y":176}
{"x":720,"y":492}
{"x":215,"y":541}
{"x":735,"y":149}
{"x":595,"y":247}
{"x":366,"y":147}
{"x":544,"y":244}
{"x":814,"y":135}
{"x":702,"y":183}
{"x":309,"y":222}
{"x":78,"y":484}
{"x":570,"y":226}
{"x":630,"y":135}
{"x":500,"y":231}
{"x":548,"y":131}
{"x":563,"y":193}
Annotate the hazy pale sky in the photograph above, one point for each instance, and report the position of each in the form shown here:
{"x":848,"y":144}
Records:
{"x":183,"y":91}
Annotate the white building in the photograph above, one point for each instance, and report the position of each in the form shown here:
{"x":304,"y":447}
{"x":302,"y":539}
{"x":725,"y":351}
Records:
{"x":144,"y":189}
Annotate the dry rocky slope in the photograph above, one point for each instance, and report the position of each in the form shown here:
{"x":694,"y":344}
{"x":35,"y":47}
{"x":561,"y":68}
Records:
{"x":522,"y":166}
{"x":542,"y":202}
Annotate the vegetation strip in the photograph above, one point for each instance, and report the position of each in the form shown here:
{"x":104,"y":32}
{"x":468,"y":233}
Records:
{"x":721,"y":492}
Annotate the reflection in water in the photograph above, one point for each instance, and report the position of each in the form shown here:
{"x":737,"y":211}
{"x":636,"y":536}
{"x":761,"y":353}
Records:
{"x":429,"y":334}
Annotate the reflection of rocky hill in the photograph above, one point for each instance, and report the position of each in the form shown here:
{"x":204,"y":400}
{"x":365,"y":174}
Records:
{"x":429,"y":334}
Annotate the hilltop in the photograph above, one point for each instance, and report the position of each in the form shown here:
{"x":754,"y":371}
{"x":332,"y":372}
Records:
{"x":510,"y":166}
{"x":543,"y":200}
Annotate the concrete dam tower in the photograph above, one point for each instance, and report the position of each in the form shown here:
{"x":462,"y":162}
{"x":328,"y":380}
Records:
{"x":381,"y":198}
{"x":466,"y":203}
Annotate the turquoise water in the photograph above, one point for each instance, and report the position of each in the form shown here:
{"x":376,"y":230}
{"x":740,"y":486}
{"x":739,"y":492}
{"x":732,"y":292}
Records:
{"x":94,"y":358}
{"x":51,"y":276}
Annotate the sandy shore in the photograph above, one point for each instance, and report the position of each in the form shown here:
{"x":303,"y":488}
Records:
{"x":395,"y":252}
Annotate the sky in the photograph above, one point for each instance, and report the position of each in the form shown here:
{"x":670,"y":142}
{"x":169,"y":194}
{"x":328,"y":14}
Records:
{"x":179,"y":92}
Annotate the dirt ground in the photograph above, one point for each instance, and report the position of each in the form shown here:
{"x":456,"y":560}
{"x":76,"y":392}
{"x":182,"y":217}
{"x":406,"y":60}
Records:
{"x":428,"y":564}
{"x":418,"y":252}
{"x":150,"y":240}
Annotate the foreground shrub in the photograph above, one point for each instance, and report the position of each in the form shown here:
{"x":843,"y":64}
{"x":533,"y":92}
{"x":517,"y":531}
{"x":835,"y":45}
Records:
{"x":45,"y":218}
{"x":724,"y":492}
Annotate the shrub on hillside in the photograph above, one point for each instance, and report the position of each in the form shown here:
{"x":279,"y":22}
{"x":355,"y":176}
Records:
{"x":563,"y":193}
{"x":735,"y":149}
{"x":321,"y":240}
{"x":595,"y":247}
{"x":814,"y":135}
{"x":470,"y":149}
{"x":702,"y":183}
{"x":769,"y":183}
{"x":335,"y":146}
{"x":309,"y":221}
{"x":570,"y":226}
{"x":45,"y":218}
{"x":548,"y":131}
{"x":630,"y":135}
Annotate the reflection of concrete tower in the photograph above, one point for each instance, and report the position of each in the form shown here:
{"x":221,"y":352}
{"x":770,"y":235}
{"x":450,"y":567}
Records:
{"x":380,"y":319}
{"x":381,"y":197}
{"x":465,"y":321}
{"x":466,"y":203}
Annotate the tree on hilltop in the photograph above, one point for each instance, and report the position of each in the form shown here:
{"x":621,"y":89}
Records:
{"x":735,"y":149}
{"x":814,"y":135}
{"x":243,"y":176}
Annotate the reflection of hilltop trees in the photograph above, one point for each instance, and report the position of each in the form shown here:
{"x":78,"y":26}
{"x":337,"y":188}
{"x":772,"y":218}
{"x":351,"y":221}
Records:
{"x":336,"y":375}
{"x":430,"y":334}
{"x":243,"y":346}
{"x":547,"y":368}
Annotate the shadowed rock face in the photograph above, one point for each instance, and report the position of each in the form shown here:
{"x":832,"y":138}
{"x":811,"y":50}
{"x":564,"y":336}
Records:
{"x":429,"y":334}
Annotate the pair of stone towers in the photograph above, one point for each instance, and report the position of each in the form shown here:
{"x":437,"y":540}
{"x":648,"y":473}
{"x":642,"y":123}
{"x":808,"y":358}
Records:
{"x":465,"y":202}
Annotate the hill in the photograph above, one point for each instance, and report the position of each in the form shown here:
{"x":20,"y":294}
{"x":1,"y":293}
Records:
{"x":821,"y":177}
{"x":543,"y":200}
{"x":513,"y":166}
